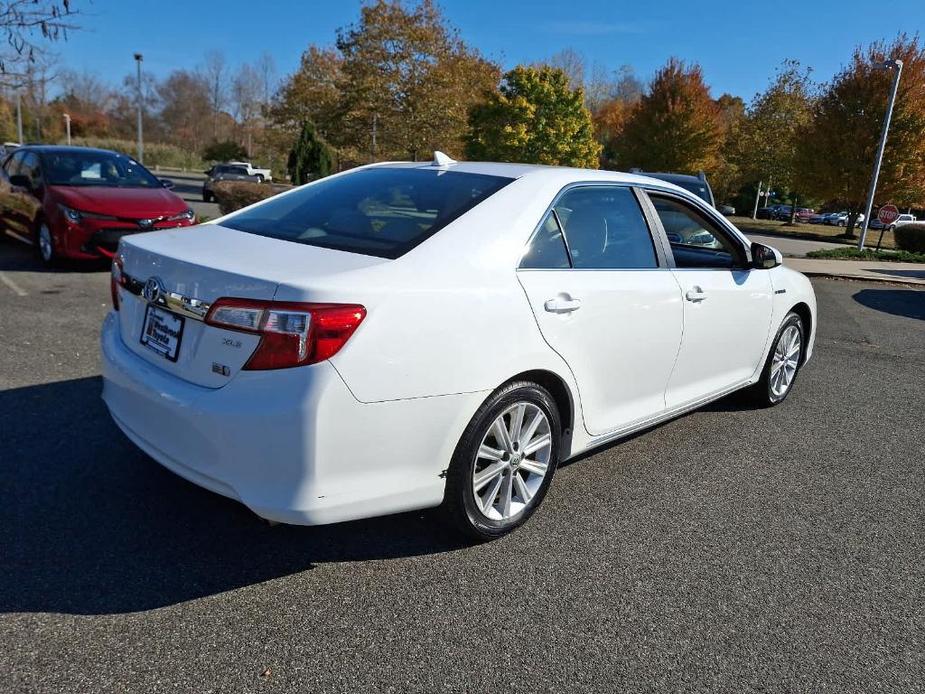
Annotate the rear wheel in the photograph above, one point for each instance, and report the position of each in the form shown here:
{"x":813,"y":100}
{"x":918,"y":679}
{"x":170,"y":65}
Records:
{"x":504,"y":462}
{"x":206,"y":196}
{"x":259,"y":178}
{"x":782,"y":365}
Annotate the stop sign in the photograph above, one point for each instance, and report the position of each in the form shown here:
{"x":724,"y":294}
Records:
{"x":888,"y":214}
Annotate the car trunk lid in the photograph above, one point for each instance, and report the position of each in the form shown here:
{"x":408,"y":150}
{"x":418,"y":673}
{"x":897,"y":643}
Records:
{"x":185,"y":271}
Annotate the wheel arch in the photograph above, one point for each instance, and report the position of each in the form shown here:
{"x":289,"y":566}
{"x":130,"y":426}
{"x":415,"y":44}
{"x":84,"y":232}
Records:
{"x":806,"y":316}
{"x":560,"y":392}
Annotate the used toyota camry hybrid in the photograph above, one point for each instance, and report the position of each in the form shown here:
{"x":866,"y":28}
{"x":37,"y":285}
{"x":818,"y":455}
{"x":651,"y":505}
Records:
{"x":412,"y":335}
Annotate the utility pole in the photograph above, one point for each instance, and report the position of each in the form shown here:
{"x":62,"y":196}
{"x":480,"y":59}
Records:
{"x":757,"y":198}
{"x":19,"y":116}
{"x":897,"y":67}
{"x":67,"y":125}
{"x":375,"y":117}
{"x":141,"y":147}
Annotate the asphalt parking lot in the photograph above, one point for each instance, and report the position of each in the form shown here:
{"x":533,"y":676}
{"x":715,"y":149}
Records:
{"x":729,"y":550}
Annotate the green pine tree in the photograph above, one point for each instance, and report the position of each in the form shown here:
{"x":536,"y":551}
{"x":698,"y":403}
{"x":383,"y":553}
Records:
{"x":311,"y":157}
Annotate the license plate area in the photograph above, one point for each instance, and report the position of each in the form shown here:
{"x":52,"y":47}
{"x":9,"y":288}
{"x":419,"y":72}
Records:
{"x":162,"y":332}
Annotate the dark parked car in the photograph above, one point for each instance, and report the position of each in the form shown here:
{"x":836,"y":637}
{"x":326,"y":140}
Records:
{"x":226,"y":172}
{"x":77,"y":202}
{"x":697,"y":185}
{"x":782,"y":212}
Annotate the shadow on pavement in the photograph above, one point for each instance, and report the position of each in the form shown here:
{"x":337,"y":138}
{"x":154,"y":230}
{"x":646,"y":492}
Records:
{"x":16,"y":256}
{"x":90,"y":525}
{"x":909,"y":303}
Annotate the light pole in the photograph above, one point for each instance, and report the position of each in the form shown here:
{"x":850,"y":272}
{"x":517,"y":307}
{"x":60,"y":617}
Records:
{"x":19,"y":117}
{"x":897,"y":67}
{"x":141,"y":147}
{"x":67,"y":125}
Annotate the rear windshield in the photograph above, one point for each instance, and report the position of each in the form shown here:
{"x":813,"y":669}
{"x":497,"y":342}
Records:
{"x":383,"y":212}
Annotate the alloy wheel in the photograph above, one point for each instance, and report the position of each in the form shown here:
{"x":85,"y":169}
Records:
{"x":786,"y":360}
{"x":512,"y":461}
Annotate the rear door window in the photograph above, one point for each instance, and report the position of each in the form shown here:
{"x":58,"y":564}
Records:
{"x":383,"y":211}
{"x":605,"y":229}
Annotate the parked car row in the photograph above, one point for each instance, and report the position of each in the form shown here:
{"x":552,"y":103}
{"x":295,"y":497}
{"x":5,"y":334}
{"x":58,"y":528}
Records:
{"x":783,"y":212}
{"x":875,"y":223}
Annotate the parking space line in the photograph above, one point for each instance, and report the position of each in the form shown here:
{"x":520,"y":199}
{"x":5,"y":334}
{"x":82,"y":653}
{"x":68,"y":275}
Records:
{"x":15,"y":288}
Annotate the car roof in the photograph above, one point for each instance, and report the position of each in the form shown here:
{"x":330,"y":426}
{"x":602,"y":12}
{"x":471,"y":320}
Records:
{"x":66,"y":148}
{"x":537,"y":171}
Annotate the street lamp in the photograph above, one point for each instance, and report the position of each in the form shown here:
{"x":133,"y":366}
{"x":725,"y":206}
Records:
{"x":67,"y":125}
{"x":141,"y":147}
{"x":897,"y":67}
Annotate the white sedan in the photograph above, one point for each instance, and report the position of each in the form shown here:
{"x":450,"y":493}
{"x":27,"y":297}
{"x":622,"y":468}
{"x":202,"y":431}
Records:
{"x":409,"y":335}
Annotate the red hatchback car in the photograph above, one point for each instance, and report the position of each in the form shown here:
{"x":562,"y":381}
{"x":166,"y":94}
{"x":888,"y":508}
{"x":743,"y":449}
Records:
{"x":77,"y":202}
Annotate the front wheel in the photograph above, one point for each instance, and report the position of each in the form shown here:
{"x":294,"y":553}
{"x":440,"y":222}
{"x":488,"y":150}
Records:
{"x":783,"y":363}
{"x":504,"y":462}
{"x":45,"y":245}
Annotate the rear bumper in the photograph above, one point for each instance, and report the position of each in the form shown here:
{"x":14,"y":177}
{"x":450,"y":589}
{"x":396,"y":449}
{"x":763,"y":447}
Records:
{"x":293,"y":445}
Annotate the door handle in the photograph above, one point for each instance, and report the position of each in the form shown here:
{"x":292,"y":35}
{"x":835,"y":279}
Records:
{"x":695,"y":294}
{"x":562,"y":305}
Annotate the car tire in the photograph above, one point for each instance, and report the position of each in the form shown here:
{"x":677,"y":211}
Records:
{"x":44,"y":244}
{"x":260,"y":178}
{"x":782,"y":365}
{"x":206,"y":196}
{"x":493,"y":486}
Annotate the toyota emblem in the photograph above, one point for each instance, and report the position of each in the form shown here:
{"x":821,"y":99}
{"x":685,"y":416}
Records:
{"x":145,"y":223}
{"x":154,"y":289}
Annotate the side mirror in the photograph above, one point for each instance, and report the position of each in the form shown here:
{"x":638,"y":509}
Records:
{"x":167,"y":183}
{"x":765,"y":257}
{"x":20,"y":181}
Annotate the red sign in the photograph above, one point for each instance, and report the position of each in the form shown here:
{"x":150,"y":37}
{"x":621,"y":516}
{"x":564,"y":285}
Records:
{"x":888,"y":214}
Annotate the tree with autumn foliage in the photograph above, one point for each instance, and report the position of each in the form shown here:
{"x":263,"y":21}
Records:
{"x":769,"y":139}
{"x":726,"y":177}
{"x":311,"y":93}
{"x":407,"y":76}
{"x":675,"y":126}
{"x":838,"y":144}
{"x":534,"y":117}
{"x":397,"y":85}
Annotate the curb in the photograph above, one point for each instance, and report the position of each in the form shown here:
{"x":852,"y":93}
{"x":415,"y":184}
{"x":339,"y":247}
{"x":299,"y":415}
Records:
{"x":864,"y":278}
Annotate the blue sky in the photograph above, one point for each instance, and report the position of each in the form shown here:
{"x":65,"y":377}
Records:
{"x":739,"y":44}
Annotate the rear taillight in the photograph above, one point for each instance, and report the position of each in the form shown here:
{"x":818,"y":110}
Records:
{"x":291,"y":334}
{"x":115,"y":280}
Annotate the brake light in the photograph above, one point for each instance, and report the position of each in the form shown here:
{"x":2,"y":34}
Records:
{"x":115,"y":280}
{"x":291,"y":334}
